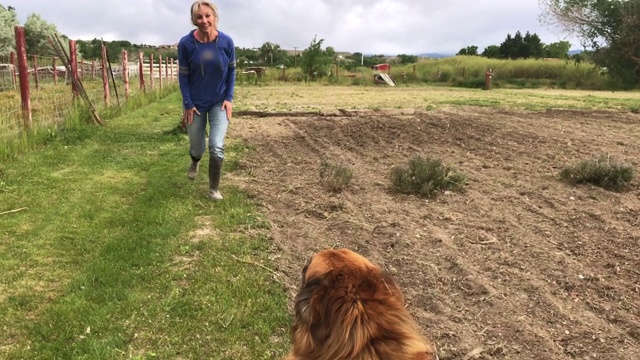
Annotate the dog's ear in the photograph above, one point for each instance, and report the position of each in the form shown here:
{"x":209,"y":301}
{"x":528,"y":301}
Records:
{"x":304,"y":337}
{"x":303,"y":308}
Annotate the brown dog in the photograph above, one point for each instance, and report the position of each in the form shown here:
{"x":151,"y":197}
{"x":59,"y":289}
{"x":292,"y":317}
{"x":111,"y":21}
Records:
{"x":349,"y":309}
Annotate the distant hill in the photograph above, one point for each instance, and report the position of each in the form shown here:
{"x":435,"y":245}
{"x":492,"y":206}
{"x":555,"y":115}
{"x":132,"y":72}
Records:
{"x":435,"y":55}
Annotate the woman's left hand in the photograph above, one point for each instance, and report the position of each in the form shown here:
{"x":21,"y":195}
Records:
{"x":228,"y":107}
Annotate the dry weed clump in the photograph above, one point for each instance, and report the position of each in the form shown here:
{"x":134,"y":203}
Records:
{"x":425,"y":177}
{"x":604,"y":172}
{"x":335,"y":177}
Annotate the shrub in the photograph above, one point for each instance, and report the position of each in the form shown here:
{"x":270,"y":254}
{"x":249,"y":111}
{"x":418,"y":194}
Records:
{"x":425,"y":177}
{"x":335,"y":177}
{"x":603,"y":172}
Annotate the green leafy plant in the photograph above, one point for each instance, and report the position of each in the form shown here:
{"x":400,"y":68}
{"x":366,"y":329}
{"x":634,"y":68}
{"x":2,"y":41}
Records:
{"x":425,"y":177}
{"x":604,"y":172}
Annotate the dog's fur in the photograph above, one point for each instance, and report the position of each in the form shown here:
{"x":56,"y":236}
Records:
{"x":349,"y":309}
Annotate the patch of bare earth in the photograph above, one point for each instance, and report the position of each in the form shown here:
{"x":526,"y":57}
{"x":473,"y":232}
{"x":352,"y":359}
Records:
{"x":519,"y":266}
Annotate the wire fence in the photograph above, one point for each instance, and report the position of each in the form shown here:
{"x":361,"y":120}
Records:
{"x":45,"y":97}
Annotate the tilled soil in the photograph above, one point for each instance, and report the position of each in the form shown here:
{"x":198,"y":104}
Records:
{"x":519,"y":265}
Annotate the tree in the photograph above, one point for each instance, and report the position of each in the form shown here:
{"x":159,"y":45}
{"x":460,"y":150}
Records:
{"x":267,"y":51}
{"x":511,"y":47}
{"x":610,"y":27}
{"x":8,"y":21}
{"x":558,"y":50}
{"x":270,"y":53}
{"x":246,"y":57}
{"x":407,"y":59}
{"x":492,"y":52}
{"x":315,"y":61}
{"x":89,"y":49}
{"x":37,"y":32}
{"x":521,"y":47}
{"x":93,"y":50}
{"x":469,"y":50}
{"x":532,"y":46}
{"x":114,"y":50}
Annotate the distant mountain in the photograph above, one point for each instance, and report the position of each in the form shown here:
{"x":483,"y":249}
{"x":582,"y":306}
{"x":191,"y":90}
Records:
{"x":434,"y":55}
{"x":425,"y":55}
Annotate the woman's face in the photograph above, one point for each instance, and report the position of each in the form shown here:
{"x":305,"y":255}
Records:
{"x":205,"y":19}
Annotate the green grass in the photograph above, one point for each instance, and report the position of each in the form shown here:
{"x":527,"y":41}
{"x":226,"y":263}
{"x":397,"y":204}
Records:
{"x":116,"y":255}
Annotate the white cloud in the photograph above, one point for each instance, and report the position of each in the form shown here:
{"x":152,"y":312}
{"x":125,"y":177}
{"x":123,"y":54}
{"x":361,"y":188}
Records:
{"x":375,"y":26}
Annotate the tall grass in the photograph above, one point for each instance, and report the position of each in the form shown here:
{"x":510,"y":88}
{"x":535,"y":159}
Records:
{"x":469,"y":71}
{"x":459,"y":71}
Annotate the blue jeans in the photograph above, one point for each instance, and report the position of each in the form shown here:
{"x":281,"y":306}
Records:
{"x":218,"y":124}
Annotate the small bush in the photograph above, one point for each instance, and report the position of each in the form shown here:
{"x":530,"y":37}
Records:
{"x":425,"y":177}
{"x":603,"y":172}
{"x":472,"y":83}
{"x":335,"y":177}
{"x":444,"y":76}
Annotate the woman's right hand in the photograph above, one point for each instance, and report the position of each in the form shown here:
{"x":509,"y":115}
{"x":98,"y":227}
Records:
{"x":188,"y":115}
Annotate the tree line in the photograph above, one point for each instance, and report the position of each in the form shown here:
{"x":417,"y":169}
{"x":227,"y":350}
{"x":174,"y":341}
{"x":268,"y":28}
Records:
{"x":521,"y":47}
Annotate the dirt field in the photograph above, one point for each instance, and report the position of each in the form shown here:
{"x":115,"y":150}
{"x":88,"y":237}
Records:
{"x":518,"y":266}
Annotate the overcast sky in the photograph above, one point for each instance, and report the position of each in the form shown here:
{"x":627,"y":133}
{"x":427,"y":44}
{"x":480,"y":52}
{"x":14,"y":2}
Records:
{"x":371,"y":27}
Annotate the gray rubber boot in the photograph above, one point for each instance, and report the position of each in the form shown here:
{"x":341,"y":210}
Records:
{"x":215,"y":172}
{"x":192,"y":171}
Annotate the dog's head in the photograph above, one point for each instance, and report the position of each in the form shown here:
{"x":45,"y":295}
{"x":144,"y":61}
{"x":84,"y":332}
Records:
{"x":349,"y":308}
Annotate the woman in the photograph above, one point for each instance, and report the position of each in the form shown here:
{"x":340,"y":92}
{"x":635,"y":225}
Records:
{"x":207,"y":61}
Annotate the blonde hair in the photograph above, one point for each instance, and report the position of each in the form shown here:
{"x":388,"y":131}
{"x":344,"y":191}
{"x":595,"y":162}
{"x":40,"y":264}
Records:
{"x":196,"y":6}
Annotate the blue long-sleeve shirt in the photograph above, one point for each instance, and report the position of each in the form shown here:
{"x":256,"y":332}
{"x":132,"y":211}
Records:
{"x":207,"y":72}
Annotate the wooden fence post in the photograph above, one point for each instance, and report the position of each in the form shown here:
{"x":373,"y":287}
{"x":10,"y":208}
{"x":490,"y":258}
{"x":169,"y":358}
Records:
{"x":55,"y":70}
{"x":23,"y":70}
{"x":160,"y":70}
{"x":125,"y":72}
{"x":93,"y":69}
{"x":487,"y":79}
{"x":13,"y":70}
{"x":172,"y":69}
{"x":105,"y":77}
{"x":35,"y":71}
{"x":58,"y":47}
{"x":73,"y":64}
{"x":166,"y":68}
{"x":141,"y":71}
{"x":151,"y":72}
